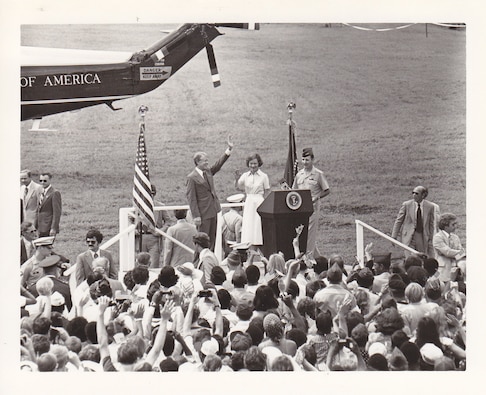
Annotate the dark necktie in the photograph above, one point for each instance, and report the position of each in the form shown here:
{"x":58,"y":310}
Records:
{"x":26,"y":191}
{"x":95,"y":255}
{"x":420,"y":226}
{"x":206,"y":178}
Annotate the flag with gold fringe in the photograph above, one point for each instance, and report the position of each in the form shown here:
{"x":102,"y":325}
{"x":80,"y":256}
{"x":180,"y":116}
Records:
{"x":142,"y":188}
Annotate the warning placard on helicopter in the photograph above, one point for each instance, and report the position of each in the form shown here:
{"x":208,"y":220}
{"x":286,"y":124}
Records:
{"x":155,"y":73}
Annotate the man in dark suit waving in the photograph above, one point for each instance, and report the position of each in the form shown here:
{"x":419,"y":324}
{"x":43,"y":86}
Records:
{"x":201,"y":194}
{"x":50,"y":208}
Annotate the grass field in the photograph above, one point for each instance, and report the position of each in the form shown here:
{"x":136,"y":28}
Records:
{"x":384,"y":111}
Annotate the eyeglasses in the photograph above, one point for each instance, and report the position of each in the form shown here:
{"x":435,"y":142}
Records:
{"x":43,"y":180}
{"x":415,"y":193}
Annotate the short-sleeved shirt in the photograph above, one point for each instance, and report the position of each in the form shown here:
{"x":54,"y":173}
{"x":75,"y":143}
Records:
{"x":255,"y":183}
{"x":31,"y":272}
{"x":315,"y":181}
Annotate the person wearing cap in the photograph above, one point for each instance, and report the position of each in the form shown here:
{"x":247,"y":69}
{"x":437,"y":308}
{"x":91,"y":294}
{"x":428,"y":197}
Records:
{"x":205,"y":259}
{"x":52,"y":269}
{"x":312,"y":178}
{"x":274,"y":331}
{"x":201,"y":193}
{"x":232,"y":223}
{"x":415,"y":223}
{"x":29,"y":195}
{"x":430,"y":354}
{"x":231,"y":262}
{"x":31,"y":271}
{"x":50,"y":208}
{"x":182,"y":231}
{"x":84,"y":261}
{"x":256,"y":185}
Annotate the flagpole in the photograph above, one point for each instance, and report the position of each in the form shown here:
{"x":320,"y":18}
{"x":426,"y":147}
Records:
{"x":141,"y":111}
{"x":290,"y":167}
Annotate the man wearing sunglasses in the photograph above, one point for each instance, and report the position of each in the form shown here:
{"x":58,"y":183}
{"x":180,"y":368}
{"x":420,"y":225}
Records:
{"x":29,"y":195}
{"x":416,"y":223}
{"x":50,"y":208}
{"x":28,"y":234}
{"x":84,"y":261}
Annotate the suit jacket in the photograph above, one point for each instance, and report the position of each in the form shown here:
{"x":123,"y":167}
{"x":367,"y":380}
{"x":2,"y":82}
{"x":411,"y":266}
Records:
{"x":406,"y":221}
{"x":207,"y":260}
{"x":447,"y":247}
{"x":84,"y":265}
{"x":30,"y":203}
{"x":175,"y":255}
{"x":201,"y":194}
{"x":25,"y":252}
{"x":49,"y":212}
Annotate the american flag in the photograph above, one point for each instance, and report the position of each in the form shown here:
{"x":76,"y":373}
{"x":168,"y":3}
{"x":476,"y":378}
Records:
{"x":142,"y":188}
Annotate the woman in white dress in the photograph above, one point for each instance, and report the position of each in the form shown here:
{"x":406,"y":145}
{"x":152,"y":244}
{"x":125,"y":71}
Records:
{"x":256,"y":185}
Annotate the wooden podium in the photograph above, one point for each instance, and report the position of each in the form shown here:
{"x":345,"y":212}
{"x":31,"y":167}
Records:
{"x":282,"y":212}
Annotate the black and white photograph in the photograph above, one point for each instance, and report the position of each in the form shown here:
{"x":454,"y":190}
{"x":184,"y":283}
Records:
{"x":289,"y":194}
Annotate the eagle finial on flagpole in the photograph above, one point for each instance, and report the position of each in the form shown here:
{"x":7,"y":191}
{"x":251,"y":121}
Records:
{"x":291,"y":107}
{"x":142,"y":110}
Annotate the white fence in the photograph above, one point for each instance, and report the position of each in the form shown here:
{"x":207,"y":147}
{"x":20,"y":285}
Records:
{"x":360,"y":226}
{"x":126,"y":236}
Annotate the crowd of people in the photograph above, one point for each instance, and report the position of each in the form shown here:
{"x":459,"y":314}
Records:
{"x":247,"y":312}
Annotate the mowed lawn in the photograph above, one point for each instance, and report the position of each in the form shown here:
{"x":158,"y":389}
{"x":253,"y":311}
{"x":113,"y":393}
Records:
{"x":383,"y":111}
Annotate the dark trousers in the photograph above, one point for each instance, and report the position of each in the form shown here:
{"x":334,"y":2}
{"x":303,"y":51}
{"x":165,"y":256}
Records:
{"x":208,"y":226}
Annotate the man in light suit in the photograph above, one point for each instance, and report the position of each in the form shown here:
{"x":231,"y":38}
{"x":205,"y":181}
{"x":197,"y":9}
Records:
{"x":84,"y":261}
{"x":448,"y":246}
{"x":184,"y":232}
{"x":29,"y":194}
{"x":28,"y":234}
{"x":416,"y":222}
{"x":201,"y":194}
{"x":436,"y":212}
{"x":49,"y":209}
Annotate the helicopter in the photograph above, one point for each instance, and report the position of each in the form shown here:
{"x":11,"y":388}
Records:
{"x":54,"y":80}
